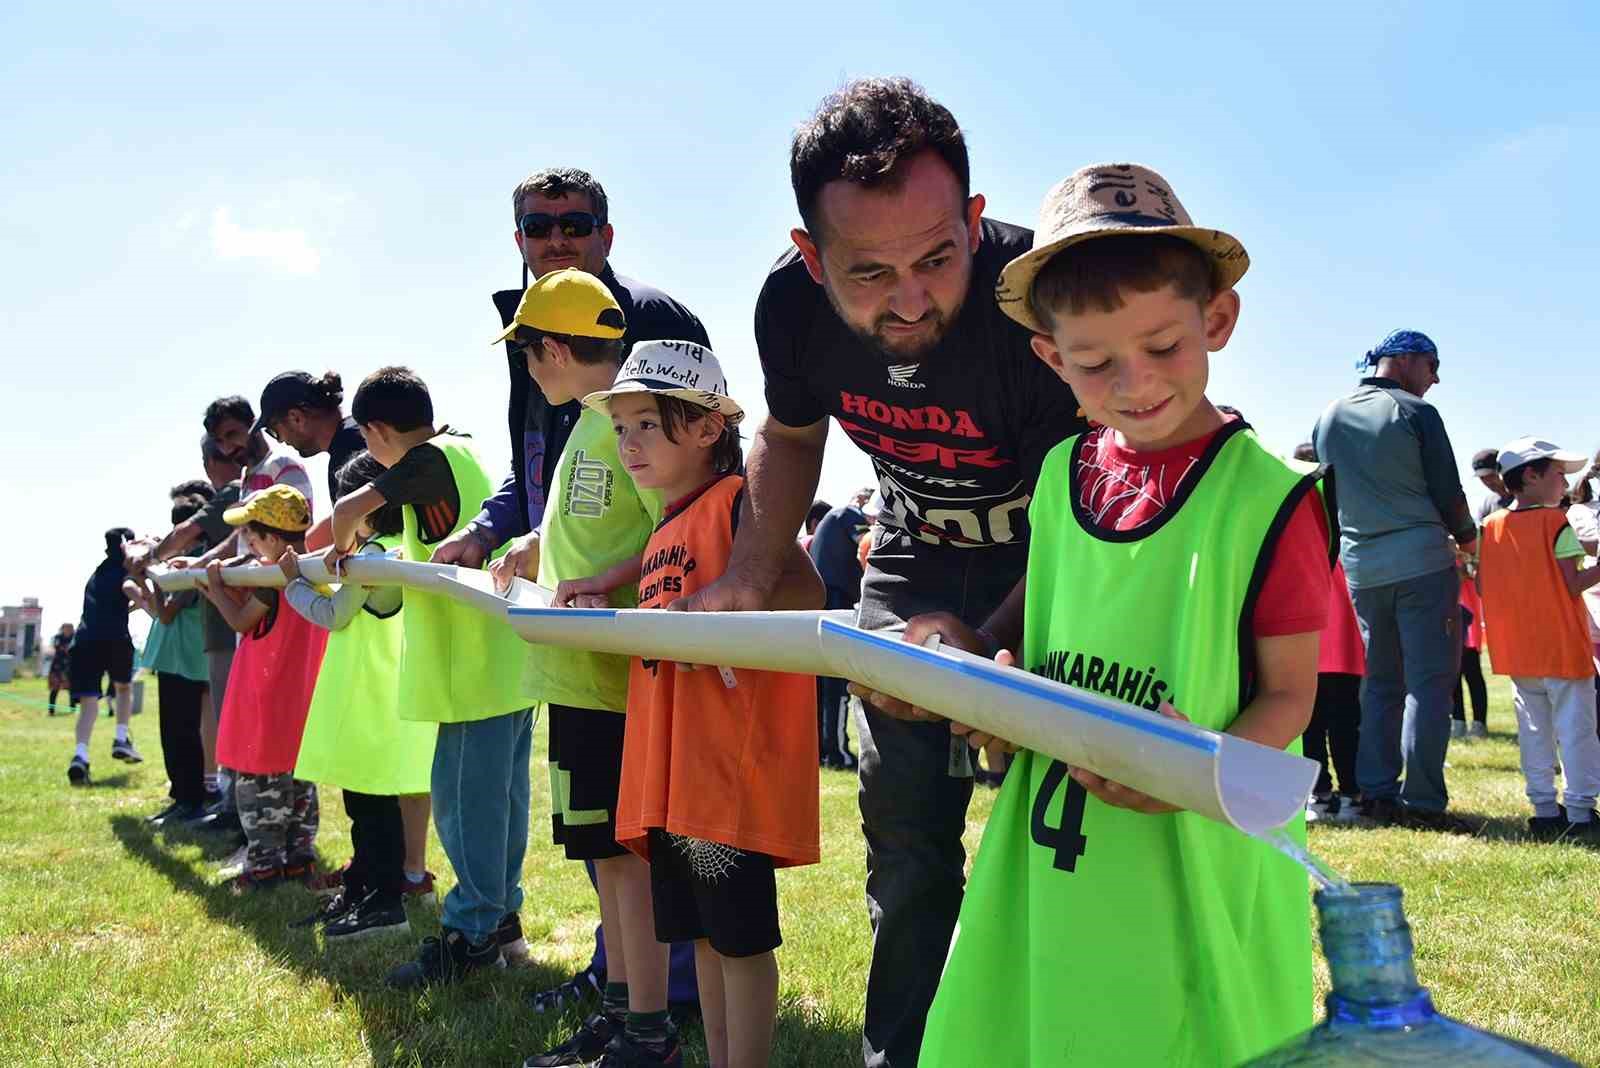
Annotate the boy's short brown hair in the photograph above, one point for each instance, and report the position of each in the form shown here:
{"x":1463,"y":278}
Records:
{"x":1093,"y":275}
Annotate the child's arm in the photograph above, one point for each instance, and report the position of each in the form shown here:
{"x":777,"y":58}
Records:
{"x":347,"y":517}
{"x":799,"y":586}
{"x":1578,"y":578}
{"x":594,"y":591}
{"x":238,"y":608}
{"x":328,"y":612}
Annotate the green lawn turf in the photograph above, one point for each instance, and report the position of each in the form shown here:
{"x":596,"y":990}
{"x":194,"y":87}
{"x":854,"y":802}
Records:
{"x":120,"y":948}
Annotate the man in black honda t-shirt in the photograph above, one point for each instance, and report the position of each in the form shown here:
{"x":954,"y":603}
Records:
{"x":884,"y":318}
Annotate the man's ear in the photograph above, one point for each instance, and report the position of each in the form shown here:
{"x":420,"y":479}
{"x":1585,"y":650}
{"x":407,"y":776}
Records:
{"x":975,"y":206}
{"x":808,"y":252}
{"x":606,"y":236}
{"x":1220,"y":316}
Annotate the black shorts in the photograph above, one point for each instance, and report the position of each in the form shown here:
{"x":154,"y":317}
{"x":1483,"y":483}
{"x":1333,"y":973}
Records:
{"x":95,"y":657}
{"x":708,"y":890}
{"x":585,"y":774}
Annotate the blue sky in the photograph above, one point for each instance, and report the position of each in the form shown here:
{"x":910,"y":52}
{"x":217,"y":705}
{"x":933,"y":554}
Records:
{"x":196,"y":197}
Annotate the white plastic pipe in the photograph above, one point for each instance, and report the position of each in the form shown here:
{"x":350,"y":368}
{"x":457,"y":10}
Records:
{"x":467,"y":585}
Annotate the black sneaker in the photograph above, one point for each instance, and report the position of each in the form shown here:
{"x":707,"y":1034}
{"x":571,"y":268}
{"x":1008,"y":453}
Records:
{"x":174,"y":815}
{"x":1548,"y":828}
{"x":512,"y":944}
{"x":219,"y":822}
{"x":334,"y":908}
{"x":78,"y":771}
{"x":446,"y":959}
{"x":1586,"y":833}
{"x":1383,"y":812}
{"x":582,"y":987}
{"x":624,"y":1052}
{"x":125,"y":752}
{"x":368,"y":919}
{"x":587,"y":1045}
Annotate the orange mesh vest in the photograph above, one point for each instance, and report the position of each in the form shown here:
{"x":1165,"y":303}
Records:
{"x":735,"y":765}
{"x":1536,"y":628}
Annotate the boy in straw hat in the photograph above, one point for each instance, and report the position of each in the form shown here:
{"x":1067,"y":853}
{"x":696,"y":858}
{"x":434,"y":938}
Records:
{"x":719,"y":769}
{"x":1174,"y":562}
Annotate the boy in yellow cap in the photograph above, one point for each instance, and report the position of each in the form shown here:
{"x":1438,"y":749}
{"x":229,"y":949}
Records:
{"x":269,"y":693}
{"x":459,"y":668}
{"x":596,"y":522}
{"x":1174,"y":561}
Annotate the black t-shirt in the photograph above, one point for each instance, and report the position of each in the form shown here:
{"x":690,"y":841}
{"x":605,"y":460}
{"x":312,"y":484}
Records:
{"x":957,"y":439}
{"x":835,"y":549}
{"x":347,"y":441}
{"x":105,"y":606}
{"x":423,"y":480}
{"x":539,"y":429}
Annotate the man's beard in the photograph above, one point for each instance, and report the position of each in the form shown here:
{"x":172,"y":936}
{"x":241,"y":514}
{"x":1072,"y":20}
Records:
{"x":874,"y":339}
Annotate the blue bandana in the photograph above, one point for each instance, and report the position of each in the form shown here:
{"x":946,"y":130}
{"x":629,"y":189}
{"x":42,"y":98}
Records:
{"x":1401,"y":343}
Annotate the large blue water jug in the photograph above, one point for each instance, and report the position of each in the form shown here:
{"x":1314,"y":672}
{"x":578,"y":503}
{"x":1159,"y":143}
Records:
{"x":1377,"y":1014}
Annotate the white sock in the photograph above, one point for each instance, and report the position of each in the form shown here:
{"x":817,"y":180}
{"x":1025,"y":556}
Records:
{"x":122,"y":732}
{"x":82,"y":751}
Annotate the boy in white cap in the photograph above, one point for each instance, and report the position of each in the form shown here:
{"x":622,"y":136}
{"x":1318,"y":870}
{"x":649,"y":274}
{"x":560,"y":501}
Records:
{"x":1175,"y":561}
{"x":719,"y":768}
{"x":1532,"y":584}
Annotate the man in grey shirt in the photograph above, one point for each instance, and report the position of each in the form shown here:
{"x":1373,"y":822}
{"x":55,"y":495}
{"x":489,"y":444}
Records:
{"x":1400,"y":502}
{"x":1486,"y":465}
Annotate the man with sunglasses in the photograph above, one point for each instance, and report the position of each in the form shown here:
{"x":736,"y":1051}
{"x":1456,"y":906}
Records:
{"x":1400,"y":502}
{"x":563,"y":220}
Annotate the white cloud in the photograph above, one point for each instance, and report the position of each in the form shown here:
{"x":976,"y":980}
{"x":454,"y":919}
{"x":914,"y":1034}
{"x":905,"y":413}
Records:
{"x":288,"y":249}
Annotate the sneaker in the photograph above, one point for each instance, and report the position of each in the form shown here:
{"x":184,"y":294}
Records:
{"x":1548,"y":828}
{"x":582,"y":987}
{"x":124,"y":751}
{"x":1458,"y":728}
{"x":420,"y":891}
{"x":1477,"y":730}
{"x":446,"y":959}
{"x":335,"y":908}
{"x":236,"y":863}
{"x":1586,"y":833}
{"x":367,"y":920}
{"x":1321,"y":807}
{"x":512,"y":944}
{"x":587,"y":1045}
{"x":221,"y":822}
{"x":78,"y":771}
{"x":248,"y":882}
{"x":1383,"y":812}
{"x":624,"y":1052}
{"x":174,"y":814}
{"x":327,"y":883}
{"x":1349,"y":809}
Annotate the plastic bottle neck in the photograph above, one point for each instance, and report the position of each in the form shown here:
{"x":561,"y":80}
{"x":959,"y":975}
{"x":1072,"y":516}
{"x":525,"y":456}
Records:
{"x":1367,"y":943}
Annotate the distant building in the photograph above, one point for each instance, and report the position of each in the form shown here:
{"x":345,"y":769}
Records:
{"x":19,"y":628}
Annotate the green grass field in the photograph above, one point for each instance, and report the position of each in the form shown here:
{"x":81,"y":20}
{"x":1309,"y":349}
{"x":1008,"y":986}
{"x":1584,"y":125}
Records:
{"x":121,"y":949}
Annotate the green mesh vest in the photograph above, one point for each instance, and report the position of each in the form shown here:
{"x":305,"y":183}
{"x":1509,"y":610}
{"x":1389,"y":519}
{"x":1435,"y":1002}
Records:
{"x":1092,"y":935}
{"x":458,"y":664}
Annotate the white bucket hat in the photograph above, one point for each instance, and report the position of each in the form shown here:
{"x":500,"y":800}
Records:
{"x":679,"y":369}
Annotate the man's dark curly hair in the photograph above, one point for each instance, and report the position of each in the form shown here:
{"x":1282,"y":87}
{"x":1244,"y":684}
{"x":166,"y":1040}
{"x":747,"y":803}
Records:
{"x":865,"y":133}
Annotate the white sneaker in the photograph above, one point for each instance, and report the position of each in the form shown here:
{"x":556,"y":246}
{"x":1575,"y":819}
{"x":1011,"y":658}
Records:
{"x":234,"y":866}
{"x":1321,"y":808}
{"x":1458,"y":728}
{"x":1349,"y":810}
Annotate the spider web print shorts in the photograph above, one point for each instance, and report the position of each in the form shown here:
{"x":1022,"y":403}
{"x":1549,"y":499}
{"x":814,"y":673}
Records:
{"x":709,"y":890}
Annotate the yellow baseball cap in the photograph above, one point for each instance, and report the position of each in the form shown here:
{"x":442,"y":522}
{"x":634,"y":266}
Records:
{"x":568,"y":301}
{"x":280,"y":507}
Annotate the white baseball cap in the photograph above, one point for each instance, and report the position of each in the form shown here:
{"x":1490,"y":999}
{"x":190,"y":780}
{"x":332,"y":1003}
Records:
{"x":679,"y":369}
{"x":1526,"y":450}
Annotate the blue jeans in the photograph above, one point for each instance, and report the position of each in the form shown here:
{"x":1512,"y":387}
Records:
{"x":1412,"y":630}
{"x":480,"y":808}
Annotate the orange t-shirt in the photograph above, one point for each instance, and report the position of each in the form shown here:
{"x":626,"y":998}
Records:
{"x":731,"y":765}
{"x":1540,"y":630}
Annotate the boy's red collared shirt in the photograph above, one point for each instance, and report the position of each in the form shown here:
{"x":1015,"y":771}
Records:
{"x":1123,"y":489}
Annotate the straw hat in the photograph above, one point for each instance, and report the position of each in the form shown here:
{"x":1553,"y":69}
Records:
{"x":1103,"y":200}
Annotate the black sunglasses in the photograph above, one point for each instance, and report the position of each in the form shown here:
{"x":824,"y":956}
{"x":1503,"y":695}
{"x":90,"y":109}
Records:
{"x":573,"y":223}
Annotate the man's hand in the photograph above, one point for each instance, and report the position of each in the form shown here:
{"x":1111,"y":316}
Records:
{"x":463,"y":548}
{"x":289,"y":564}
{"x":735,"y":591}
{"x":1113,"y":793}
{"x":919,"y":629}
{"x":181,"y":563}
{"x":521,"y":561}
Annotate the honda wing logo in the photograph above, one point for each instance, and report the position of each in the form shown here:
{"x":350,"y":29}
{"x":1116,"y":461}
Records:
{"x":901,"y":374}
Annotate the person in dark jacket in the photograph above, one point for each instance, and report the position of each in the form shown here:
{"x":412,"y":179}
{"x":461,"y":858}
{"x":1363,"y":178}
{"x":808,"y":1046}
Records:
{"x":835,"y":550}
{"x":563,"y":220}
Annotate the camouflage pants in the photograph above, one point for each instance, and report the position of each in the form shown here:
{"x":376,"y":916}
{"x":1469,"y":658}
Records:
{"x":279,"y":814}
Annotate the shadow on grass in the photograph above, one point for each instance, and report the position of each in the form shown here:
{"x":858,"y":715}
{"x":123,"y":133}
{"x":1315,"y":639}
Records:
{"x":109,"y":782}
{"x":482,"y":1021}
